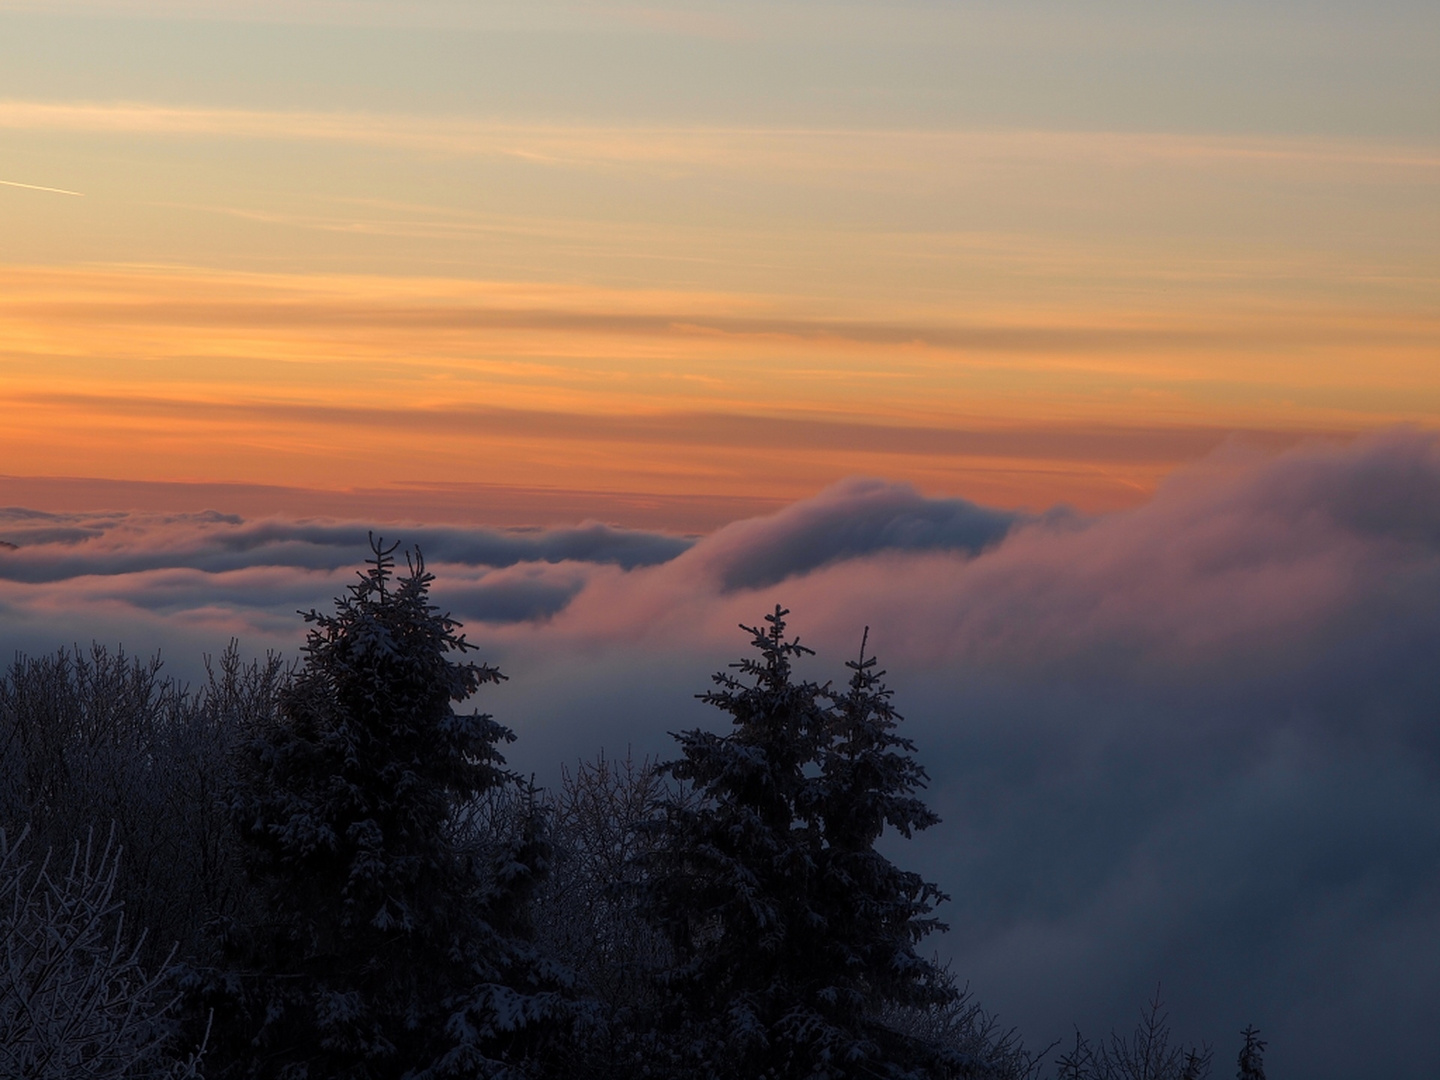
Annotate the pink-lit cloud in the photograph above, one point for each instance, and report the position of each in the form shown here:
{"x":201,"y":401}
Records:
{"x":1194,"y":742}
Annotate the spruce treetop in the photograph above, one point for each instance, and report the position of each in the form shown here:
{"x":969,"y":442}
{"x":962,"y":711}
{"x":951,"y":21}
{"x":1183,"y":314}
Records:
{"x":1252,"y":1055}
{"x":391,"y":934}
{"x":871,"y":777}
{"x":384,"y":657}
{"x":792,"y":935}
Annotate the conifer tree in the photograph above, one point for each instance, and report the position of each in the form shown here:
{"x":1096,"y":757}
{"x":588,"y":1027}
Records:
{"x":874,"y":912}
{"x":389,"y":937}
{"x":733,"y":873}
{"x":790,"y":933}
{"x":1252,"y":1055}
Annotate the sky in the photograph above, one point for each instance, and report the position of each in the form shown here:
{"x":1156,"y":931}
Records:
{"x":1088,"y":353}
{"x":617,"y":256}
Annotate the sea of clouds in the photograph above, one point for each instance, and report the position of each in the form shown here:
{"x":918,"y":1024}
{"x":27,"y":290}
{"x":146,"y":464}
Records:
{"x":1196,"y":743}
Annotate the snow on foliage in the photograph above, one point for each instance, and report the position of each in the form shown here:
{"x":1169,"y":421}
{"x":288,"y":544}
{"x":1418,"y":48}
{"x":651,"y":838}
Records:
{"x":391,"y":931}
{"x":76,"y":1003}
{"x":791,"y":933}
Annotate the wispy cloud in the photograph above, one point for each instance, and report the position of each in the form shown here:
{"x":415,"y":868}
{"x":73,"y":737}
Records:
{"x":410,"y":501}
{"x":184,"y":298}
{"x":812,"y":151}
{"x":38,"y":187}
{"x":779,"y":433}
{"x":577,"y":385}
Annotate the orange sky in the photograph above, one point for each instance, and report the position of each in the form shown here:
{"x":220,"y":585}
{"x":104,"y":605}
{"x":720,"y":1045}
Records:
{"x":301,"y":295}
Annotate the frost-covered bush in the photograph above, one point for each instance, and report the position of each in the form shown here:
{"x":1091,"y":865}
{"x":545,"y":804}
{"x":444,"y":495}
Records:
{"x":586,"y":907}
{"x":100,"y":737}
{"x":76,"y":1002}
{"x":586,"y":910}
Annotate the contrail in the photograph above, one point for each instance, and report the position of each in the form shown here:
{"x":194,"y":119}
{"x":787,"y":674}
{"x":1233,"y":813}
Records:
{"x":37,"y":187}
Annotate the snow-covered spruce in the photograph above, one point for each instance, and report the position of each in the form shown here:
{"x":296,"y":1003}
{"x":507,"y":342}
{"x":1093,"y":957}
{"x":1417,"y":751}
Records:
{"x":792,"y":935}
{"x":390,"y":934}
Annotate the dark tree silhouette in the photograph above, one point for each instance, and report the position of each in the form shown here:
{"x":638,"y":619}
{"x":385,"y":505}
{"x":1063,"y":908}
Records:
{"x":732,"y":876}
{"x":390,"y":934}
{"x":1147,"y":1054}
{"x":1252,"y":1055}
{"x":874,"y":913}
{"x":790,"y":933}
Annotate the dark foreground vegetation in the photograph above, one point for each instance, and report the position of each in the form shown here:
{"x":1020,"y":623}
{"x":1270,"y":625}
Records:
{"x":325,"y":870}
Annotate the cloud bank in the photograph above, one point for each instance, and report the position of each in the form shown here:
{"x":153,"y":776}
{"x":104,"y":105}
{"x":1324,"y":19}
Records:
{"x":1194,"y":743}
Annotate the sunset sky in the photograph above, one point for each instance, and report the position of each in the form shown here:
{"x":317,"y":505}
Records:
{"x":667,"y":264}
{"x":1086,"y":353}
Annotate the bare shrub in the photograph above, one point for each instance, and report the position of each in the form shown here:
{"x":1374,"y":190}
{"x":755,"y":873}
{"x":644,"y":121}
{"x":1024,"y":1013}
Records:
{"x":1146,"y":1054}
{"x":586,"y":910}
{"x":75,"y":999}
{"x":99,"y":736}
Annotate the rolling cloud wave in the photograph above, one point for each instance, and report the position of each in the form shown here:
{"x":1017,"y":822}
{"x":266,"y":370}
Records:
{"x":1197,"y":742}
